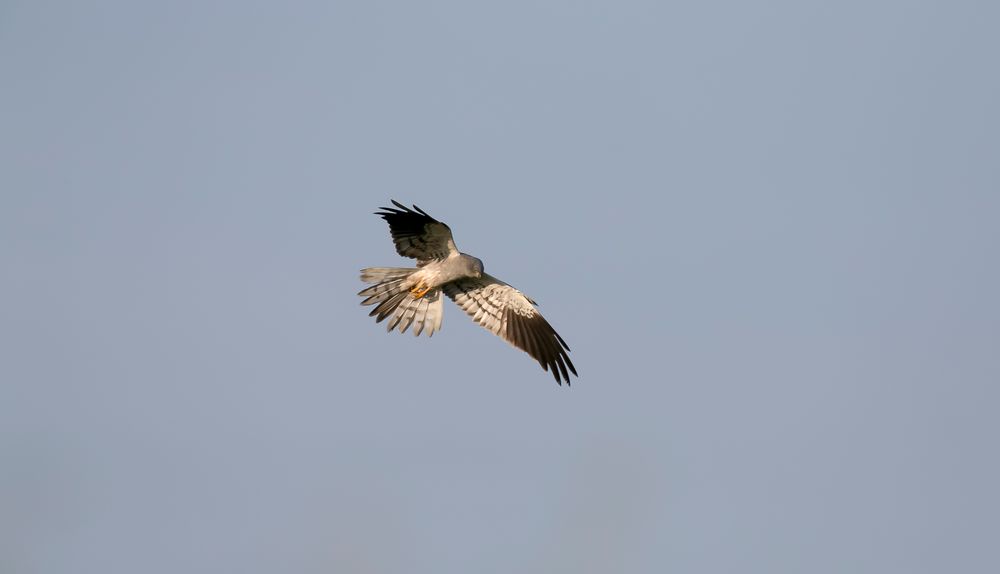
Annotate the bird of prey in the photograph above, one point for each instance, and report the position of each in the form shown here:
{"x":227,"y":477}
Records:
{"x":412,"y":296}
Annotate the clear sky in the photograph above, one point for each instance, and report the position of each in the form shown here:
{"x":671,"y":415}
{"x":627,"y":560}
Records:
{"x":768,"y":230}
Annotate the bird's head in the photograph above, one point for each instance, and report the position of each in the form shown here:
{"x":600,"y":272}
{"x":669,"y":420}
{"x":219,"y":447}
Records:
{"x":476,"y":268}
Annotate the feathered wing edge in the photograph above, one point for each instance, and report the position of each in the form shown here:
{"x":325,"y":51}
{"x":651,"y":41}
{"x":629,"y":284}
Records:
{"x":509,"y":314}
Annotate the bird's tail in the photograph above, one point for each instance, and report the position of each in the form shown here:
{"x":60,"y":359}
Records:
{"x":392,"y":298}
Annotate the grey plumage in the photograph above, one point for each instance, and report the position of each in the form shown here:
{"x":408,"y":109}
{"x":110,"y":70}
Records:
{"x":412,"y":296}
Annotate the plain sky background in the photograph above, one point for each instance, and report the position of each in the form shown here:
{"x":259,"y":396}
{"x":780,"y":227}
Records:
{"x":768,"y":230}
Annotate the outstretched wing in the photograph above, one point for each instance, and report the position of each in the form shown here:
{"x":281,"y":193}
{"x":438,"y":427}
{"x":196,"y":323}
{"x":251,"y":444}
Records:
{"x":507,"y":313}
{"x":417,"y":234}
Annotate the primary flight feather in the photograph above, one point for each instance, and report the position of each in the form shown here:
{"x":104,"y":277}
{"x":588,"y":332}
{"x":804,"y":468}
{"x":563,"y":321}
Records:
{"x":412,"y":296}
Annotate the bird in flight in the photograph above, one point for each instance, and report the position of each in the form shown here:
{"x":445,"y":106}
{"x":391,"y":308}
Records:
{"x":412,"y":296}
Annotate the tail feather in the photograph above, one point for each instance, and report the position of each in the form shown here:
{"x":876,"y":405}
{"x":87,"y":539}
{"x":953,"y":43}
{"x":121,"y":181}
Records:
{"x":383,"y":274}
{"x":386,"y":308}
{"x":418,"y":318}
{"x":376,"y":298}
{"x":387,"y":282}
{"x":406,"y":315}
{"x":380,"y":292}
{"x":438,"y":317}
{"x":394,"y":301}
{"x":396,"y":317}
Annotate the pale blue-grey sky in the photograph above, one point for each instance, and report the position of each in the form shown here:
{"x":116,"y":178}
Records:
{"x":768,"y":231}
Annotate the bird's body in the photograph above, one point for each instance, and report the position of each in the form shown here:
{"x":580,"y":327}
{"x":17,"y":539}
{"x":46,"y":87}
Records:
{"x":456,"y":266}
{"x":412,"y":296}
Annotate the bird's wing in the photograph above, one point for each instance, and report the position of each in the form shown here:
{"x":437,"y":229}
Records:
{"x":417,"y":234}
{"x":509,"y":314}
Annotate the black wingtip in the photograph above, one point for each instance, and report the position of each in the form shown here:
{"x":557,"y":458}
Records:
{"x":560,"y":339}
{"x":401,"y":209}
{"x":571,"y":367}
